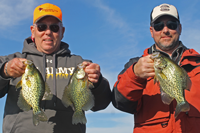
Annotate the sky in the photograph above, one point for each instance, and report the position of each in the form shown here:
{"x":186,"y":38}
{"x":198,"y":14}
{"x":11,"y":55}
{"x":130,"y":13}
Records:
{"x":108,"y":32}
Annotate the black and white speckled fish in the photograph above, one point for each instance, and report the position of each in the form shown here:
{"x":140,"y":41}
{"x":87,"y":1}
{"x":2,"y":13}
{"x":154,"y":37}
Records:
{"x":173,"y":80}
{"x":78,"y":95}
{"x":33,"y":91}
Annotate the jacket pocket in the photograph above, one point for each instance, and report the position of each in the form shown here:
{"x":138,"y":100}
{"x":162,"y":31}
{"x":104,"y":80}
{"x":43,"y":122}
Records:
{"x":152,"y":111}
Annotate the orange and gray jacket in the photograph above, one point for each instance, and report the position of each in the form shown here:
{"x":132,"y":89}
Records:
{"x":142,"y":98}
{"x":56,"y":70}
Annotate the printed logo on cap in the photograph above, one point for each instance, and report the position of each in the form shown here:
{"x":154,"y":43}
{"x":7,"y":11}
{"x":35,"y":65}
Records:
{"x":164,"y":8}
{"x":47,"y":10}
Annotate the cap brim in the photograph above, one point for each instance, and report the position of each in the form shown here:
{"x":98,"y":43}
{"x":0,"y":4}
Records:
{"x":161,"y":16}
{"x":47,"y":16}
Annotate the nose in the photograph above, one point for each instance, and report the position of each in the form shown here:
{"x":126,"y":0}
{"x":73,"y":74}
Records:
{"x":165,"y":29}
{"x":48,"y":31}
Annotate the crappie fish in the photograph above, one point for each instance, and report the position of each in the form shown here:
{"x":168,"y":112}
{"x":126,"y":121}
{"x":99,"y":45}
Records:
{"x":173,"y":80}
{"x":32,"y":92}
{"x":78,"y":95}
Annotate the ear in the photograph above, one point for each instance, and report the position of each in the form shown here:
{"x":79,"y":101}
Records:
{"x":180,"y":29}
{"x":32,"y":31}
{"x":151,"y":31}
{"x":63,"y":31}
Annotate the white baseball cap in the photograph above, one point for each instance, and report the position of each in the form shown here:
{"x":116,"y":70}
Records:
{"x":164,"y":9}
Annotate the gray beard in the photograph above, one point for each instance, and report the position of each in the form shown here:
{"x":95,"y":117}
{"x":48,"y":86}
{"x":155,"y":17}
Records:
{"x":169,"y":47}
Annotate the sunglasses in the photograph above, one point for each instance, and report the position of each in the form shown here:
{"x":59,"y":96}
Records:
{"x":158,"y":26}
{"x":53,"y":27}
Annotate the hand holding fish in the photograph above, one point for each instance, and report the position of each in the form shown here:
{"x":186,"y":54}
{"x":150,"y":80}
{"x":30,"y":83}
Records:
{"x":14,"y":68}
{"x":93,"y":71}
{"x":144,"y":68}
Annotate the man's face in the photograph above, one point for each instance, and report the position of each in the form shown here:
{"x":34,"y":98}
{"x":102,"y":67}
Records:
{"x":166,"y":39}
{"x":48,"y":40}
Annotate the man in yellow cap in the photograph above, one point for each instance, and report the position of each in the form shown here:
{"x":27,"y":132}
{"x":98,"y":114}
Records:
{"x":56,"y":63}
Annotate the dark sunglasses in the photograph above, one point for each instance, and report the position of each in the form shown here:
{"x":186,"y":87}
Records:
{"x":158,"y":26}
{"x":52,"y":27}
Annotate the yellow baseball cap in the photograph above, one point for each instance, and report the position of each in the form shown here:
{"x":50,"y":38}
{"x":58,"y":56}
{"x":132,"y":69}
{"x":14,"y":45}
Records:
{"x":47,"y":9}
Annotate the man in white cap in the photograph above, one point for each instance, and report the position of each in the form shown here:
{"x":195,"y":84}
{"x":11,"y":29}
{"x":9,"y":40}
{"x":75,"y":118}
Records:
{"x":136,"y":93}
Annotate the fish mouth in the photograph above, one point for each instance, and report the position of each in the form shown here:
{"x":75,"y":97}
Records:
{"x":27,"y":62}
{"x":155,"y":55}
{"x":81,"y":72}
{"x":81,"y":66}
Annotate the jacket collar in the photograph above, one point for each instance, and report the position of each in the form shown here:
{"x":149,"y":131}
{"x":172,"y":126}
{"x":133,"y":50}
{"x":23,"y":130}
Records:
{"x":176,"y":54}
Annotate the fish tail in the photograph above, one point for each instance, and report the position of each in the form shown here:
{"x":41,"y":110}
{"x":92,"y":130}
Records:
{"x":182,"y":107}
{"x":39,"y":116}
{"x":78,"y":117}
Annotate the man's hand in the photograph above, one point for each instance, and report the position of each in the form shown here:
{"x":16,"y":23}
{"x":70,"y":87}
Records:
{"x":93,"y":71}
{"x":144,"y":67}
{"x":15,"y":68}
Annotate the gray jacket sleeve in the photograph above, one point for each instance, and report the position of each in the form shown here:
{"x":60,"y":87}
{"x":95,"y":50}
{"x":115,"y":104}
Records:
{"x":4,"y":82}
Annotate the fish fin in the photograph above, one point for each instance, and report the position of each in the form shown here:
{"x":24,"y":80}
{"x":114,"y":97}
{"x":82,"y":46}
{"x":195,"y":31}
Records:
{"x":155,"y":80}
{"x":66,"y":99}
{"x":28,"y":82}
{"x":90,"y":102}
{"x":47,"y":94}
{"x":22,"y":104}
{"x":19,"y":84}
{"x":39,"y":116}
{"x":163,"y":76}
{"x":90,"y":85}
{"x":35,"y":120}
{"x":182,"y":107}
{"x":78,"y":117}
{"x":188,"y":83}
{"x":166,"y":99}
